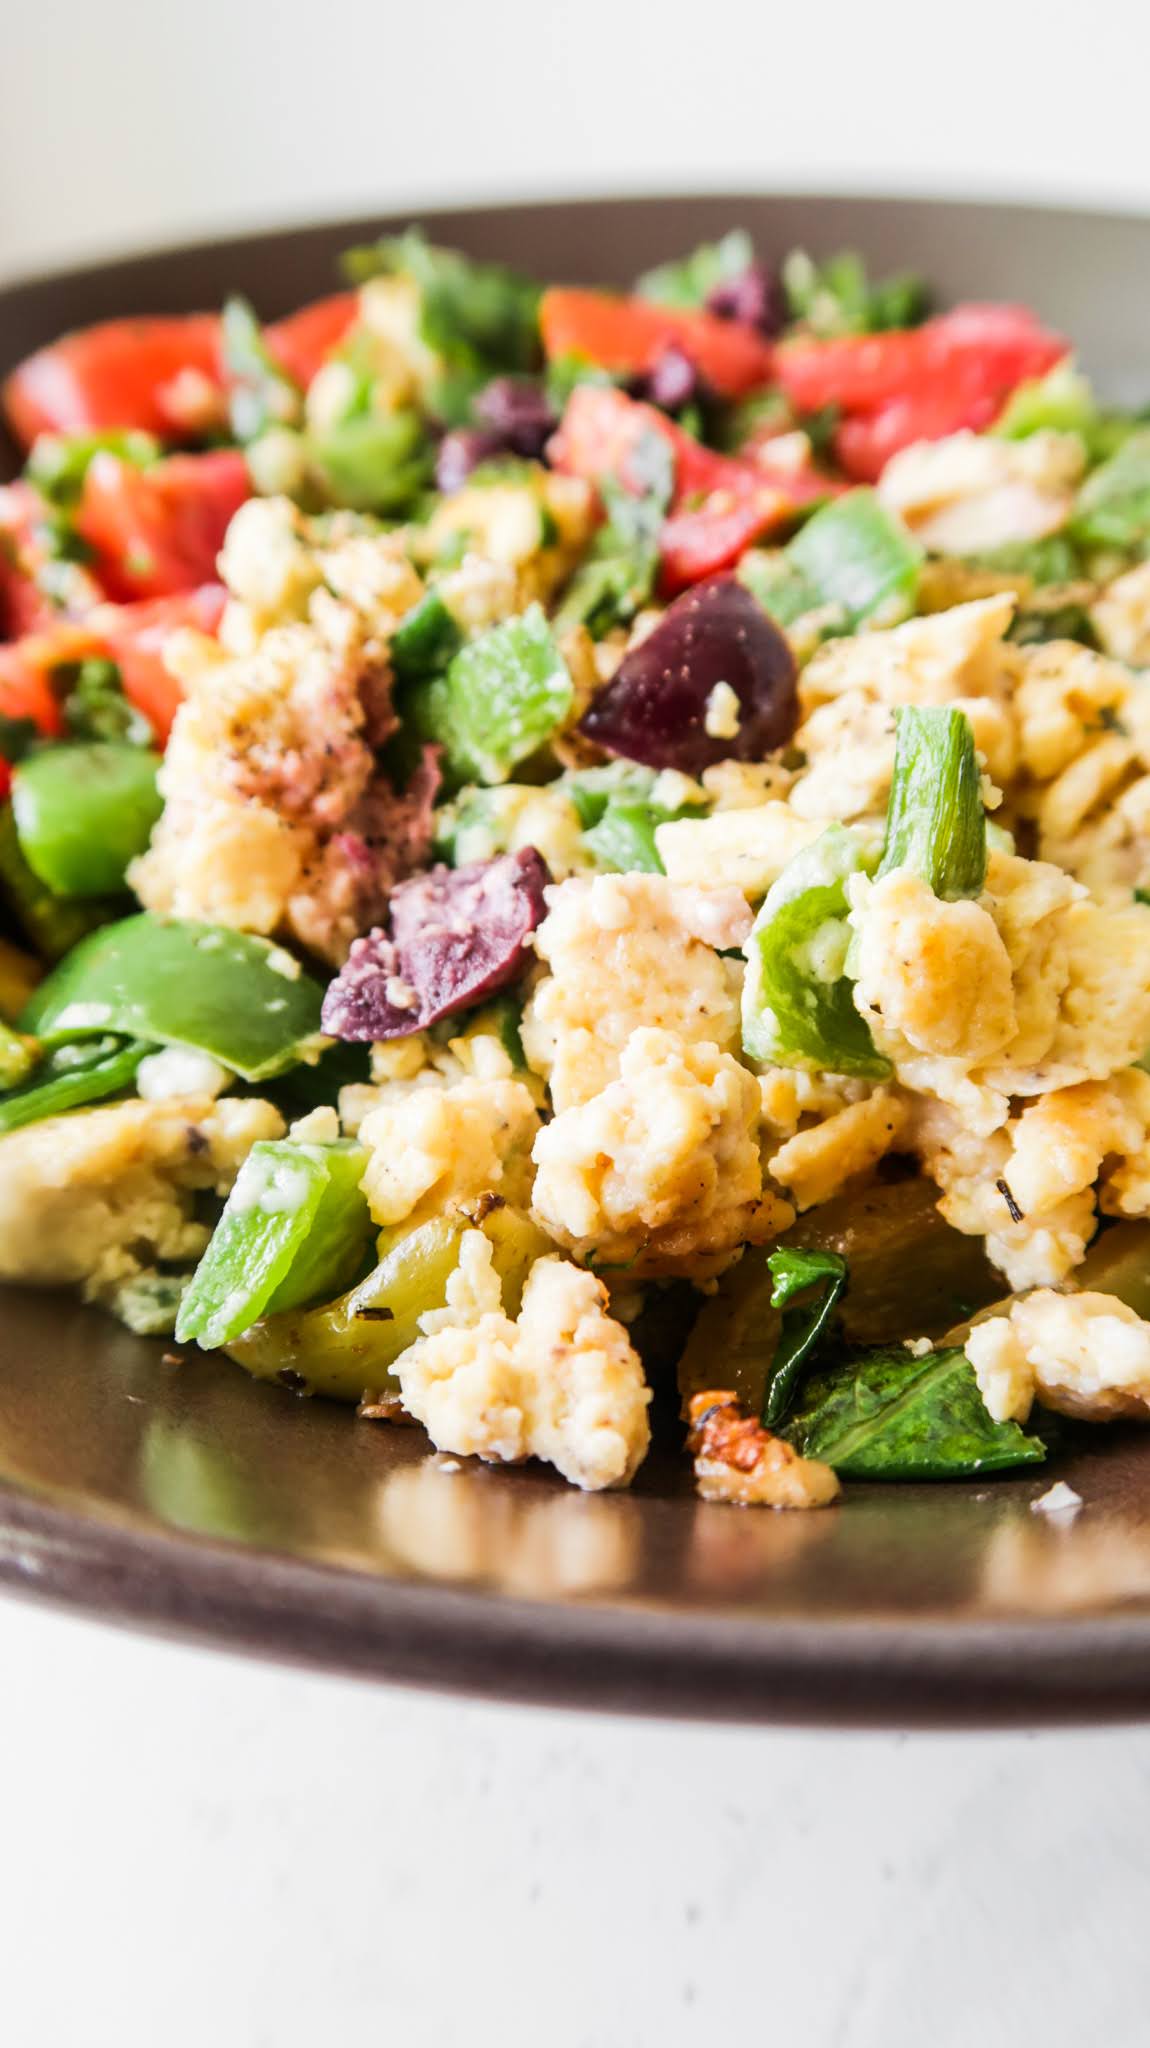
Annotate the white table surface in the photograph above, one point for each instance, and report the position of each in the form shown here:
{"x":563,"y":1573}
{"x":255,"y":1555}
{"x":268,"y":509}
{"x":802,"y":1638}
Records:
{"x":200,"y":1851}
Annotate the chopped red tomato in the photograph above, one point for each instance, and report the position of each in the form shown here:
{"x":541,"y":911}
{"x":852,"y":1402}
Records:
{"x":720,"y":503}
{"x":24,"y":559}
{"x":916,"y":384}
{"x":621,"y":334}
{"x":134,"y":637}
{"x":158,"y":530}
{"x":123,"y":373}
{"x":302,"y":343}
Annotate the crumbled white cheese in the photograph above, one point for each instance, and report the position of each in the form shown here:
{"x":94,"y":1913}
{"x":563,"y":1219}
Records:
{"x":1058,"y":1499}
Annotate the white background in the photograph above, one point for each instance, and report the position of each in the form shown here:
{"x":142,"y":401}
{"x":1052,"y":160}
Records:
{"x":199,"y":1851}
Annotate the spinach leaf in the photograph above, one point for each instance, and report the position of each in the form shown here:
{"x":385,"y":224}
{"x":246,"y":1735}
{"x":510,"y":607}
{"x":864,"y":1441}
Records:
{"x":837,"y":297}
{"x":888,"y":1415}
{"x":821,"y":1276}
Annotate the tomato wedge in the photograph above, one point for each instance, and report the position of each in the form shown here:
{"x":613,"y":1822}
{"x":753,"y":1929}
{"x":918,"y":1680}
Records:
{"x":720,"y":503}
{"x":302,"y":343}
{"x":158,"y":530}
{"x":621,"y":334}
{"x":916,"y":384}
{"x":134,"y":637}
{"x":122,"y":373}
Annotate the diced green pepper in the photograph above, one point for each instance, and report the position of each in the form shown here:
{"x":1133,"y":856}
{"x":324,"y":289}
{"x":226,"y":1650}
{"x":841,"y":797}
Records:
{"x":503,"y":696}
{"x":617,"y":577}
{"x":936,"y":821}
{"x":858,"y":554}
{"x":798,"y":1007}
{"x":293,"y":1231}
{"x":235,"y":997}
{"x":90,"y":1070}
{"x":1113,"y":505}
{"x":348,"y":1348}
{"x":853,"y":557}
{"x":83,"y":811}
{"x":1063,"y":400}
{"x":425,"y":640}
{"x":51,"y":923}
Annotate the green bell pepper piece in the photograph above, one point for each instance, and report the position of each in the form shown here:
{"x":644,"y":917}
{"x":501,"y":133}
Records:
{"x":52,"y":924}
{"x":373,"y":462}
{"x":293,"y":1231}
{"x":83,"y":811}
{"x":798,"y":1007}
{"x":1112,"y":508}
{"x":936,"y":821}
{"x":504,"y":694}
{"x":226,"y":993}
{"x":425,"y":640}
{"x":89,"y":1070}
{"x":260,"y":393}
{"x":348,"y":1347}
{"x":853,"y":558}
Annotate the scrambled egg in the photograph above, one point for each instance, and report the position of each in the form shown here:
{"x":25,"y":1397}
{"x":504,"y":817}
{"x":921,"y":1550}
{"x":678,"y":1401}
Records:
{"x":561,"y":1382}
{"x":1121,"y":616}
{"x":970,"y":493}
{"x":660,"y":1172}
{"x":625,"y":951}
{"x":745,"y":848}
{"x":436,"y":1147}
{"x":852,"y":688}
{"x":814,"y":1163}
{"x":99,"y":1195}
{"x":1082,"y":1354}
{"x":1084,"y":756}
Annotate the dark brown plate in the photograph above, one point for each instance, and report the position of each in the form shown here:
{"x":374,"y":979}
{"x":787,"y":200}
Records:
{"x":189,"y":1499}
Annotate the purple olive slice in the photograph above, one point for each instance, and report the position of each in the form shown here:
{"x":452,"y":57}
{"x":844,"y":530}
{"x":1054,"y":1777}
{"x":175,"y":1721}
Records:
{"x":657,"y":706}
{"x":457,"y":935}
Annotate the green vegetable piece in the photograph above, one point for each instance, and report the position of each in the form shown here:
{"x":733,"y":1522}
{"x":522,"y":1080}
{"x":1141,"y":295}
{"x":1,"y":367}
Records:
{"x":855,"y":553}
{"x":293,"y":1231}
{"x":1063,"y":400}
{"x":83,"y":812}
{"x":260,"y":393}
{"x":503,"y":696}
{"x":59,"y":463}
{"x":794,"y":1272}
{"x":18,"y":1056}
{"x":798,"y":1007}
{"x":836,"y":297}
{"x":349,"y":1346}
{"x":373,"y":462}
{"x":1112,"y":508}
{"x":617,"y":577}
{"x":624,"y":839}
{"x":51,"y":923}
{"x":89,"y":1070}
{"x":1055,"y":559}
{"x":477,"y":318}
{"x":689,"y":280}
{"x":887,"y":1415}
{"x":226,"y":993}
{"x":96,"y":708}
{"x":425,"y":640}
{"x":935,"y":821}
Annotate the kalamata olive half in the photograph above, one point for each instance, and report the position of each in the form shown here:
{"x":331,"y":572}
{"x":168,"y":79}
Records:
{"x":665,"y":692}
{"x":755,"y":297}
{"x":457,"y":935}
{"x":519,"y":411}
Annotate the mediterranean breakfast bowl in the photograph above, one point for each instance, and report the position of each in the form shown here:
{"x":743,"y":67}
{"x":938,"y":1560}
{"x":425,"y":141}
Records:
{"x":575,"y":953}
